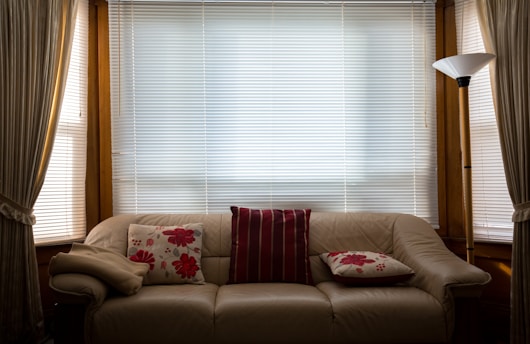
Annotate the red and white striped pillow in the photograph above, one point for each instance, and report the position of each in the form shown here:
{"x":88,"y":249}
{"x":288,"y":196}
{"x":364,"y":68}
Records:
{"x":270,"y":246}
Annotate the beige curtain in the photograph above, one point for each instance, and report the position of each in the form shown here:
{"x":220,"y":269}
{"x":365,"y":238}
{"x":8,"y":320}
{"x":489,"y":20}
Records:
{"x":35,"y":39}
{"x":505,"y":26}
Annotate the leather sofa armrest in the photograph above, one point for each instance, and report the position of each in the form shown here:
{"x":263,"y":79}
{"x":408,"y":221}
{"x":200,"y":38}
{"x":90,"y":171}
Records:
{"x":75,"y":295}
{"x":438,"y":270}
{"x":72,"y":288}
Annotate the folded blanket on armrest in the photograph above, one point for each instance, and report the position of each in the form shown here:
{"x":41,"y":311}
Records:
{"x":111,"y":267}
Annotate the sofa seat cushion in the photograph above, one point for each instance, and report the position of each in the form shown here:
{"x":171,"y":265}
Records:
{"x":156,"y":314}
{"x":407,"y":314}
{"x":272,"y":313}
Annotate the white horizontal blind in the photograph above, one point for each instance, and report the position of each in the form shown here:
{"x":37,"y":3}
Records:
{"x":492,"y":207}
{"x":60,"y":208}
{"x":273,"y":104}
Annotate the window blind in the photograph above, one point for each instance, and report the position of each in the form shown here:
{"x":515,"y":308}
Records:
{"x":273,"y":104}
{"x":60,"y":207}
{"x":492,"y":207}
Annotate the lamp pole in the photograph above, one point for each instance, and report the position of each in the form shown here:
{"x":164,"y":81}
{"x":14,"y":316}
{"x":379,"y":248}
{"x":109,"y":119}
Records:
{"x":465,"y":143}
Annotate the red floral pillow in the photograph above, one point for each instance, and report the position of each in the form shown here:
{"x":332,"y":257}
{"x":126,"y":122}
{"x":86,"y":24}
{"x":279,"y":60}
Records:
{"x":270,"y":246}
{"x":172,"y":252}
{"x":365,"y":267}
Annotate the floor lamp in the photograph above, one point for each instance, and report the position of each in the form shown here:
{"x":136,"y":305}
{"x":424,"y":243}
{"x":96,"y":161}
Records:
{"x":461,"y":68}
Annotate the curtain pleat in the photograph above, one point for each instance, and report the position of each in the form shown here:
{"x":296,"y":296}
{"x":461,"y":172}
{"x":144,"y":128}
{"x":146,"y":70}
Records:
{"x":21,"y":315}
{"x":35,"y":39}
{"x":520,"y":289}
{"x":505,"y":26}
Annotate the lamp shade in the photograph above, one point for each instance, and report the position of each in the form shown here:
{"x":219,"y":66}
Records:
{"x":463,"y":65}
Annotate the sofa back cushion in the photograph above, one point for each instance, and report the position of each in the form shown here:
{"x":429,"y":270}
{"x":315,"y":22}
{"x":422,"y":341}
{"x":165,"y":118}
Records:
{"x":327,"y":232}
{"x":330,"y":232}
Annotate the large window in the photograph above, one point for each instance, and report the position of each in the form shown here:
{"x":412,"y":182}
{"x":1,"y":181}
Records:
{"x":60,"y":208}
{"x":492,"y":207}
{"x":327,"y":105}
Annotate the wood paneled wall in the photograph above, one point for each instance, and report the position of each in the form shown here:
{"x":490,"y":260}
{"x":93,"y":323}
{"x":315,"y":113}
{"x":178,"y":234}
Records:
{"x":99,"y":153}
{"x":44,"y":254}
{"x":450,"y":194}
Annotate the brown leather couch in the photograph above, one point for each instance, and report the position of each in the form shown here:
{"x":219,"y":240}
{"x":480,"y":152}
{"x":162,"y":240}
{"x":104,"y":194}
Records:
{"x":434,"y":306}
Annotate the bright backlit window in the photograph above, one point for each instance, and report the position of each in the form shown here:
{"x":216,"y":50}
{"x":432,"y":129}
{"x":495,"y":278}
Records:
{"x":492,"y":207}
{"x":60,"y":208}
{"x":326,"y":105}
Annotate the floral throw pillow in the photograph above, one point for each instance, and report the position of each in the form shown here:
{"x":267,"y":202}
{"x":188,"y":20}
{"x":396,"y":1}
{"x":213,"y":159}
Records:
{"x":172,"y":252}
{"x":365,"y":267}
